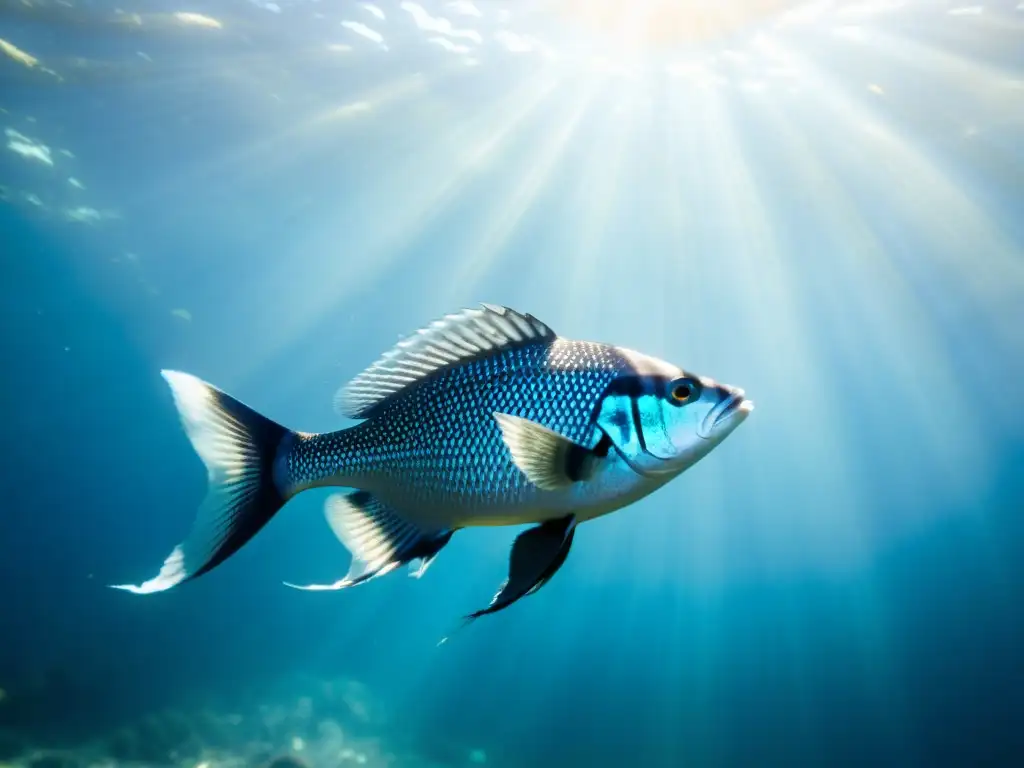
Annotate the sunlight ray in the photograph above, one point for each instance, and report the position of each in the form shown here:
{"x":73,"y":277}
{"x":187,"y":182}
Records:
{"x":888,"y":318}
{"x":645,"y":26}
{"x":941,"y":212}
{"x":844,"y":521}
{"x":487,"y":246}
{"x":683,"y":290}
{"x":440,"y":173}
{"x":589,"y":264}
{"x":258,"y":153}
{"x":772,"y":291}
{"x":952,"y":439}
{"x":252,"y":81}
{"x":681,"y":155}
{"x":973,"y":79}
{"x":486,"y":145}
{"x":768,"y":292}
{"x":987,"y":21}
{"x":592,"y":267}
{"x":708,"y":641}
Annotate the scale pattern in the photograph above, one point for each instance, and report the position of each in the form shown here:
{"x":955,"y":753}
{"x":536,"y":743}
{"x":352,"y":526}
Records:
{"x":436,"y":445}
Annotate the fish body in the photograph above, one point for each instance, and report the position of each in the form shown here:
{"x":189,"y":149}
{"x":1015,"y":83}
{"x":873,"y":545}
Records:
{"x":437,"y":451}
{"x":484,"y":418}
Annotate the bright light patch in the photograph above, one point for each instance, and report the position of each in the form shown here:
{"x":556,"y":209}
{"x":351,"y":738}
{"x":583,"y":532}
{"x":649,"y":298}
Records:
{"x":363,"y":31}
{"x":14,"y":52}
{"x":197,"y":20}
{"x":355,"y":108}
{"x":968,"y":10}
{"x":872,"y":8}
{"x":374,"y":10}
{"x":646,"y":24}
{"x":429,"y":23}
{"x":448,"y":45}
{"x":85,"y":214}
{"x":28,"y":148}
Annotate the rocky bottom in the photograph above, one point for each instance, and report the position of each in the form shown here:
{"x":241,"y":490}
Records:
{"x":333,"y":724}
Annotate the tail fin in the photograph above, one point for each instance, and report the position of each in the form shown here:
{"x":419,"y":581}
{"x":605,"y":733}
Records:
{"x":239,"y":448}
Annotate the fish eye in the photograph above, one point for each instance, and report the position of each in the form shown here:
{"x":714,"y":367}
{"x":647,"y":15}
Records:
{"x":683,"y":391}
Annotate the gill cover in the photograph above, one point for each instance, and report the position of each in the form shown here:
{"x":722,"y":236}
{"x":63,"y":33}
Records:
{"x":652,"y":415}
{"x":633,"y":414}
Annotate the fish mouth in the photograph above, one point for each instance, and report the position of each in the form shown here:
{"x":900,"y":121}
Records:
{"x":734,"y":406}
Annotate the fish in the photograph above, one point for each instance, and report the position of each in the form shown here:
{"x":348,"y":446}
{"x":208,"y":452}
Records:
{"x":485,"y":417}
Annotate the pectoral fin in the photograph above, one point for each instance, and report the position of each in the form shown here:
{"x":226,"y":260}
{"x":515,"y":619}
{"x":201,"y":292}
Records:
{"x":549,"y":460}
{"x":536,"y":555}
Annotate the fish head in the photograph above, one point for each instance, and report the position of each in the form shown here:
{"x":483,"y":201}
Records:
{"x":663,"y":419}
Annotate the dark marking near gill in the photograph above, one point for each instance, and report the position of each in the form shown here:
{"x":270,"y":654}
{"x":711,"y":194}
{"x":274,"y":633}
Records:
{"x":580,"y":461}
{"x":577,"y":463}
{"x":634,"y":404}
{"x":612,"y":408}
{"x":636,"y":386}
{"x":620,"y":420}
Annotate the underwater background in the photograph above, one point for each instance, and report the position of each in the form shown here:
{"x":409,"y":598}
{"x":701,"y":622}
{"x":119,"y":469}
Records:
{"x":821,"y":202}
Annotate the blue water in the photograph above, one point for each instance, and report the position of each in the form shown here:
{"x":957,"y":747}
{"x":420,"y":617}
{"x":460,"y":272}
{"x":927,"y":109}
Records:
{"x":819,"y":203}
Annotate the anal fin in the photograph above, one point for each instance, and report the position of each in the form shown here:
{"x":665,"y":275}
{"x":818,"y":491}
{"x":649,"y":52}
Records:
{"x":536,"y":556}
{"x":379,"y":539}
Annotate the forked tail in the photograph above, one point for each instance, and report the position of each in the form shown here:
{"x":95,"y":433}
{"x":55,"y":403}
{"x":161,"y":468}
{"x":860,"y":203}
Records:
{"x":239,"y":448}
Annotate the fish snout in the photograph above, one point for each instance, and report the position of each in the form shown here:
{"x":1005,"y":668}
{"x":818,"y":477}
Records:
{"x":728,"y":413}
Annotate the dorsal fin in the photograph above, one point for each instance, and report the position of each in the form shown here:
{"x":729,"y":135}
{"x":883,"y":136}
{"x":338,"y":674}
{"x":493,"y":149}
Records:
{"x":454,"y":339}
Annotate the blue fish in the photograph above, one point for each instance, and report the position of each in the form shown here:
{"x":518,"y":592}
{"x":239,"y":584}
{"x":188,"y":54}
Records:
{"x":486,"y":417}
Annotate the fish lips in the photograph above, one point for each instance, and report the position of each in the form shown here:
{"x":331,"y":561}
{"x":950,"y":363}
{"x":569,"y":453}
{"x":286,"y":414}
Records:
{"x":733,"y":408}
